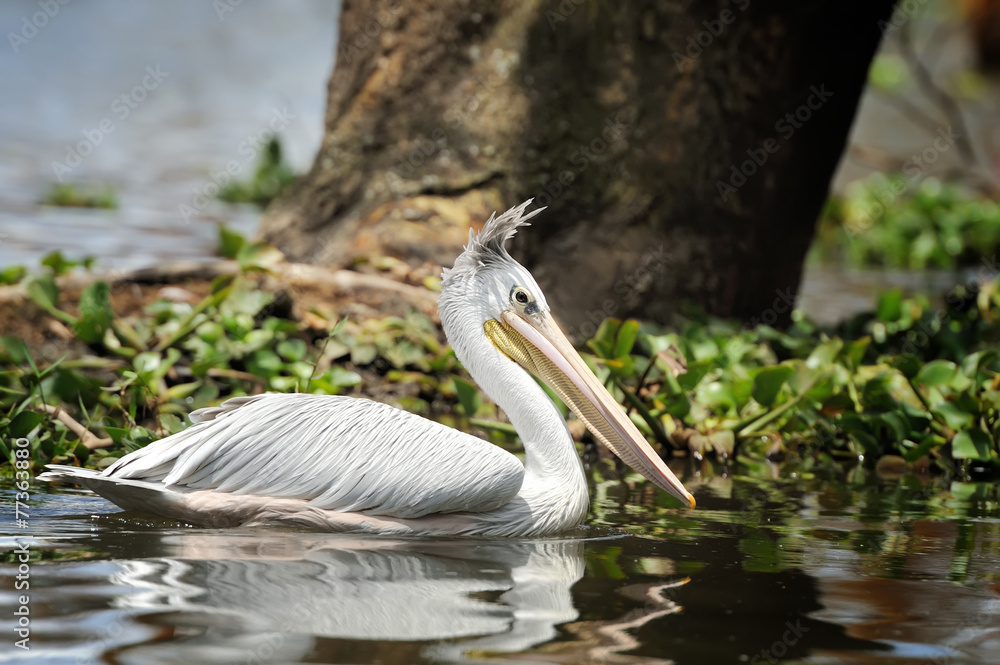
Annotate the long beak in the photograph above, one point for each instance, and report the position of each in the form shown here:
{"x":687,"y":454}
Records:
{"x":536,"y":343}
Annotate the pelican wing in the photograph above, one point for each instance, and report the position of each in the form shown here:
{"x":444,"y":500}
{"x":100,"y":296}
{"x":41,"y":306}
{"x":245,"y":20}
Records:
{"x":338,"y":453}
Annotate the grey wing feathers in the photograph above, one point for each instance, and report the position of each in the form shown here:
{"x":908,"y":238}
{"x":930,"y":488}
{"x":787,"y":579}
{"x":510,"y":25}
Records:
{"x":339,"y":453}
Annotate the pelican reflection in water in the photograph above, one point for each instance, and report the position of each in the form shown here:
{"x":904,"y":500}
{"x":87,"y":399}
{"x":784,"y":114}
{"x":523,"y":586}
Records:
{"x":264,"y":597}
{"x":353,"y":465}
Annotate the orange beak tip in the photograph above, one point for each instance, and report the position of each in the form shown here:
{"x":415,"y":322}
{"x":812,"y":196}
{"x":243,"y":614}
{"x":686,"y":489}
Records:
{"x":691,"y":501}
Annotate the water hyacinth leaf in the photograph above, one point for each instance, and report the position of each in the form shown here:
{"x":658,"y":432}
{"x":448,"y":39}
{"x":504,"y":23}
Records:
{"x":825,"y":353}
{"x":258,"y":257}
{"x":468,"y":396}
{"x":12,"y":274}
{"x":889,"y":305}
{"x":908,"y":365}
{"x":182,"y":391}
{"x":603,"y":341}
{"x":952,"y":415}
{"x":974,"y":363}
{"x":96,"y":314}
{"x":363,"y":354}
{"x":22,"y":424}
{"x":230,"y":242}
{"x":57,"y":263}
{"x":767,"y":383}
{"x":716,"y":394}
{"x":854,"y":351}
{"x":936,"y":373}
{"x":302,"y":370}
{"x":696,"y":371}
{"x":170,"y":423}
{"x":283,"y":384}
{"x":723,"y":441}
{"x":971,"y":444}
{"x":343,"y":378}
{"x":915,"y":451}
{"x":292,"y":349}
{"x":625,"y":338}
{"x":264,"y":362}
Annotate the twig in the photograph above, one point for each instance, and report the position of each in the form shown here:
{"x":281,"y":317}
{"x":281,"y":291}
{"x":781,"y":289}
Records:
{"x":945,"y":102}
{"x":87,"y":438}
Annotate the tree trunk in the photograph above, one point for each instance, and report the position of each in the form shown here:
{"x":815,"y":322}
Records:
{"x":684,"y":149}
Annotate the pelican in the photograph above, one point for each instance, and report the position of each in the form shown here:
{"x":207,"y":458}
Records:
{"x":346,"y":464}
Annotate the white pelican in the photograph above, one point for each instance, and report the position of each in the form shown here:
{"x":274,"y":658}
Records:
{"x":349,"y":464}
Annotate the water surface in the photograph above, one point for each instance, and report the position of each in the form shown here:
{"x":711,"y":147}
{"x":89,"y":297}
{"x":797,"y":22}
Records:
{"x":903,"y":570}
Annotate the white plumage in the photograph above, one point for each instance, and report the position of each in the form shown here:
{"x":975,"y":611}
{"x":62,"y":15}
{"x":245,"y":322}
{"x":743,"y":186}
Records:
{"x":348,"y":464}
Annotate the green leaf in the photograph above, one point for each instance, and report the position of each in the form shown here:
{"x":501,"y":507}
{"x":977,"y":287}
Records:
{"x":922,"y":449}
{"x":171,"y":423}
{"x":12,"y":274}
{"x":24,"y":422}
{"x":292,"y":349}
{"x":971,"y":444}
{"x":343,"y":378}
{"x":889,"y":305}
{"x":116,"y":433}
{"x":43,"y":291}
{"x":908,"y":365}
{"x":96,"y":314}
{"x":953,"y":416}
{"x":58,"y":263}
{"x":603,"y":341}
{"x":258,"y":256}
{"x":625,"y":338}
{"x":936,"y":373}
{"x":824,"y":354}
{"x":854,"y":352}
{"x":468,"y":396}
{"x":230,"y":242}
{"x":974,"y":363}
{"x":768,"y":381}
{"x":363,"y":354}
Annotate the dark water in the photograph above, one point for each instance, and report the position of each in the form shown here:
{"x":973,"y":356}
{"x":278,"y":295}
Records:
{"x":873,"y":570}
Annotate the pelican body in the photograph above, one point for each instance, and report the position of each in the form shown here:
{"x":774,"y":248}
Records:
{"x":348,"y":464}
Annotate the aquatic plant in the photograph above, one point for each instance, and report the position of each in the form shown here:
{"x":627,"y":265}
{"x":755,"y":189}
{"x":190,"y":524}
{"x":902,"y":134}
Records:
{"x":903,"y":385}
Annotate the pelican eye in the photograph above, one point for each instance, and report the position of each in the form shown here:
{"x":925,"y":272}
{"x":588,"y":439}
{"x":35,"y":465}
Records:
{"x":522,"y":299}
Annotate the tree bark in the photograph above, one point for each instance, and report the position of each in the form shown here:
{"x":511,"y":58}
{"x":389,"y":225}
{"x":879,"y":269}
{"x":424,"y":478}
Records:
{"x":684,"y":149}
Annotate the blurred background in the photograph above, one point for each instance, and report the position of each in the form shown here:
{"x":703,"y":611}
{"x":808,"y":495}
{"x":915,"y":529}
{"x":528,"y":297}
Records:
{"x":223,"y":79}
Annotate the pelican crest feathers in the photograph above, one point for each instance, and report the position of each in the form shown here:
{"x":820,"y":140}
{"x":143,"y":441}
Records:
{"x":487,"y":246}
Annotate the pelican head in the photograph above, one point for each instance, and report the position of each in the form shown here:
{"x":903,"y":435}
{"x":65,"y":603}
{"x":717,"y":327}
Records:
{"x":489,"y":297}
